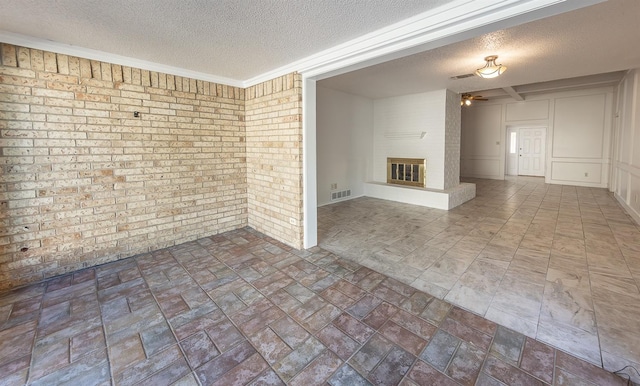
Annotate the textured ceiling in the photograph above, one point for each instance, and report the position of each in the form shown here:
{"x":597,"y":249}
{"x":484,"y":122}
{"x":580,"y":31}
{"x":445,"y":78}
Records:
{"x":235,"y":39}
{"x":242,"y":39}
{"x":598,"y":39}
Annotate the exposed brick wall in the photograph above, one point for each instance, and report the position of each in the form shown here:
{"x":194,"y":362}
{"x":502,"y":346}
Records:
{"x":84,"y":182}
{"x":274,"y":158}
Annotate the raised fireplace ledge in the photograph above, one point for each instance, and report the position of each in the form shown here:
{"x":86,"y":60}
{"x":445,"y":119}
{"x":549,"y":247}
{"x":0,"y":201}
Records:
{"x":432,"y":198}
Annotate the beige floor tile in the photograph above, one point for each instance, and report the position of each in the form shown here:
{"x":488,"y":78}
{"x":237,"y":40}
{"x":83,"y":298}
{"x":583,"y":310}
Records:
{"x":560,"y":263}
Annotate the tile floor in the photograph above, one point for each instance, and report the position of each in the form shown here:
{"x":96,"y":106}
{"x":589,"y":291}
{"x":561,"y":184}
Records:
{"x":560,"y":264}
{"x":241,"y":308}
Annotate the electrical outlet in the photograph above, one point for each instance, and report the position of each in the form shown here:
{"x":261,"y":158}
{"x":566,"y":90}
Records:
{"x":334,"y":186}
{"x":292,"y":221}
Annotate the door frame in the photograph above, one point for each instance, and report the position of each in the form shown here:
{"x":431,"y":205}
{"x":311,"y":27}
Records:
{"x":516,"y":128}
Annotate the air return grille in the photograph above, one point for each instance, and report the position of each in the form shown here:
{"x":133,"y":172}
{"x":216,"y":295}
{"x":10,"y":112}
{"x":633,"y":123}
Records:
{"x":339,"y":195}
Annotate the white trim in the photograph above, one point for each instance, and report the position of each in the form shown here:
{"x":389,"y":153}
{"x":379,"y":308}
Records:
{"x":309,"y":164}
{"x":627,"y":208}
{"x":87,"y":53}
{"x":449,"y":21}
{"x":452,"y":22}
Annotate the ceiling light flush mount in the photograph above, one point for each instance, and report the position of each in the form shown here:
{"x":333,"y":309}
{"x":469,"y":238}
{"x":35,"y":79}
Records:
{"x":491,"y":69}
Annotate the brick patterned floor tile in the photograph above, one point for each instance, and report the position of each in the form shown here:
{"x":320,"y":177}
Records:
{"x":308,"y":308}
{"x":507,"y":344}
{"x":141,"y":370}
{"x":508,"y":374}
{"x":423,"y":374}
{"x":353,"y":327}
{"x":91,"y":369}
{"x":436,"y":311}
{"x":368,"y":357}
{"x":217,"y":367}
{"x":538,"y":359}
{"x":392,"y":368}
{"x":126,"y":353}
{"x":251,"y":311}
{"x":224,"y":334}
{"x":86,"y":342}
{"x":388,"y":295}
{"x":230,"y":303}
{"x":172,"y":305}
{"x":199,"y":349}
{"x":399,"y":287}
{"x":156,"y":338}
{"x":352,"y":291}
{"x":440,"y":350}
{"x":416,"y":303}
{"x":269,"y":345}
{"x":267,"y":378}
{"x":358,"y":274}
{"x":290,"y":331}
{"x":466,"y":333}
{"x":321,"y":318}
{"x":16,"y":341}
{"x":174,"y":372}
{"x":265,"y":318}
{"x":338,"y":342}
{"x":285,"y":301}
{"x":486,"y":380}
{"x":248,"y":294}
{"x":323,"y":283}
{"x":244,"y":372}
{"x":317,"y":372}
{"x":346,"y":375}
{"x":337,"y":298}
{"x":370,"y":281}
{"x":379,"y":316}
{"x":466,"y":364}
{"x":48,"y":358}
{"x":403,"y":338}
{"x":154,"y":318}
{"x":298,"y":359}
{"x":414,"y":324}
{"x":472,"y":320}
{"x":184,"y":327}
{"x":586,"y":370}
{"x":15,"y":372}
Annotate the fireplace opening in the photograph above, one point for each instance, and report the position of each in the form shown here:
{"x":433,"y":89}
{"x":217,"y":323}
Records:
{"x":406,"y":171}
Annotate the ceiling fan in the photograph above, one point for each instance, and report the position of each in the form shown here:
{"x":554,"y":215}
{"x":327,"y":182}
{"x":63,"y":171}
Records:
{"x":466,"y":98}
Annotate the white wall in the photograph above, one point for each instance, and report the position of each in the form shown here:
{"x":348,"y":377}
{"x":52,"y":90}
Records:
{"x":578,"y":135}
{"x":411,"y":114}
{"x":344,"y":138}
{"x":626,"y":165}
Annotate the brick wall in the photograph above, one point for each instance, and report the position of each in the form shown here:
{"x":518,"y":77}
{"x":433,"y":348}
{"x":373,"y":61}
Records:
{"x":274,"y":158}
{"x":84,"y":182}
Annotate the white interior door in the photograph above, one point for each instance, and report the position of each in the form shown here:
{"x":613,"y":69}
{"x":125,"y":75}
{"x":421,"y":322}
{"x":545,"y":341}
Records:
{"x":532,"y":152}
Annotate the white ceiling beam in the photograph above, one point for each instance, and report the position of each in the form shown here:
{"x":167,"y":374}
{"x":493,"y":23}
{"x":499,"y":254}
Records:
{"x":513,"y":93}
{"x":450,"y":23}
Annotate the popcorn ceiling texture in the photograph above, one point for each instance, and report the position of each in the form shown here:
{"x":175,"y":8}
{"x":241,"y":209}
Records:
{"x":85,"y":182}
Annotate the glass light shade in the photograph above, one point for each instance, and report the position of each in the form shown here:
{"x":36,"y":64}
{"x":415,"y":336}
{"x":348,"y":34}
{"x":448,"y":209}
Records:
{"x":491,"y":69}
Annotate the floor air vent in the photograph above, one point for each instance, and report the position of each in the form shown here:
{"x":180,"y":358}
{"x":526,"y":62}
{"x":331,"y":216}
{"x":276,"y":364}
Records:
{"x":340,"y":195}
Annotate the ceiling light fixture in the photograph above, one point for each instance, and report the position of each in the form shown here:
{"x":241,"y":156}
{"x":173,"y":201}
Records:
{"x":491,"y":69}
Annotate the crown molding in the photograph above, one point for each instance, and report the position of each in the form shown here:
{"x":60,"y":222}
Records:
{"x":454,"y":21}
{"x":87,"y":53}
{"x":428,"y":30}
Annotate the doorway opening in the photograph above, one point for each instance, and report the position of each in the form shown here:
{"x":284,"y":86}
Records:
{"x":526,"y":151}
